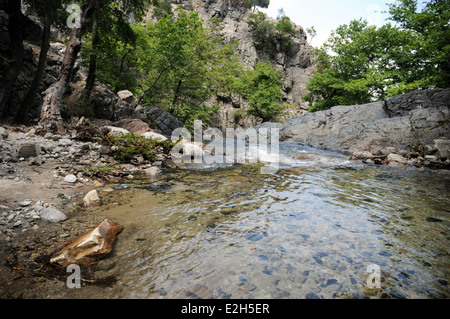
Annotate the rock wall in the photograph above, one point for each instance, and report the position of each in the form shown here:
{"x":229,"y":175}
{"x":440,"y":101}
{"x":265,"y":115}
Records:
{"x":296,"y":65}
{"x":418,"y":119}
{"x":106,"y":105}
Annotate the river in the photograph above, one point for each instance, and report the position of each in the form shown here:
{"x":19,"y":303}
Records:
{"x":320,"y":226}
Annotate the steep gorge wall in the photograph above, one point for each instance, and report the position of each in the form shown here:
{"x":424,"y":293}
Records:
{"x":296,"y":64}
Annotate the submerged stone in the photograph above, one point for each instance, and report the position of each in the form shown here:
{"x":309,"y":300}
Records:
{"x":253,"y":236}
{"x":312,"y":295}
{"x":156,"y":187}
{"x":121,"y":186}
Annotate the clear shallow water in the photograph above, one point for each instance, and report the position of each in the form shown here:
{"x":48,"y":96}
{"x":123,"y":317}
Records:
{"x":310,"y":230}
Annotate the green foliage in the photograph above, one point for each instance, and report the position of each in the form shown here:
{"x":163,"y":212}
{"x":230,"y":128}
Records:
{"x":251,"y":3}
{"x":268,"y":36}
{"x":162,"y":8}
{"x":264,"y":34}
{"x":38,"y":8}
{"x":262,"y":88}
{"x":181,"y":64}
{"x":129,"y":146}
{"x":312,"y":33}
{"x":432,"y":28}
{"x":285,"y":31}
{"x":115,"y":58}
{"x":362,"y":63}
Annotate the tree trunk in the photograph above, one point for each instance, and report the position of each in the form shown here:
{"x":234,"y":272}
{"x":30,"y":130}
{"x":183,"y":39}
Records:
{"x":9,"y":79}
{"x":144,"y":91}
{"x":22,"y":116}
{"x":90,"y":81}
{"x":177,"y":93}
{"x":122,"y":65}
{"x":51,"y":119}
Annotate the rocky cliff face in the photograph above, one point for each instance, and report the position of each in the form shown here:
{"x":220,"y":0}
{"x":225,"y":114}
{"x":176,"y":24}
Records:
{"x":106,"y":105}
{"x":296,"y":64}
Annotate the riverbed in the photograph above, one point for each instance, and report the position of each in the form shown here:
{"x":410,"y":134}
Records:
{"x":320,"y":226}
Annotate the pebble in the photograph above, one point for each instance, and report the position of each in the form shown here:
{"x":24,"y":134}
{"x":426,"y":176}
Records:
{"x":331,"y":282}
{"x":65,"y":142}
{"x":433,"y":220}
{"x":253,"y":236}
{"x":70,"y":178}
{"x":121,"y":186}
{"x":25,"y":203}
{"x":281,"y":248}
{"x":318,"y":260}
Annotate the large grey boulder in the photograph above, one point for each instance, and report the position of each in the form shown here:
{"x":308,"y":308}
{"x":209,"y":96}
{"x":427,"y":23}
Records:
{"x":108,"y":106}
{"x":402,"y":105}
{"x":342,"y":128}
{"x":164,"y":121}
{"x":402,"y":122}
{"x":443,"y":147}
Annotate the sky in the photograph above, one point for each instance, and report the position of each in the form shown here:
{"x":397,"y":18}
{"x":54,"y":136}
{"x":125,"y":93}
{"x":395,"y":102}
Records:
{"x":327,"y":15}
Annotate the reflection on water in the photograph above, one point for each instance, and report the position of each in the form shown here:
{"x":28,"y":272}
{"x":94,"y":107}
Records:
{"x":308,"y":231}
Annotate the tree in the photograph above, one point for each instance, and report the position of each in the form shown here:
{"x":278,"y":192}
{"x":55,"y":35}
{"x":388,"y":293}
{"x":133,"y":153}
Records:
{"x":14,"y":65}
{"x":181,"y":64}
{"x":251,"y":3}
{"x":432,"y":25}
{"x":281,"y":14}
{"x":110,"y":57}
{"x":48,"y":11}
{"x":362,"y":63}
{"x":53,"y":97}
{"x":367,"y":64}
{"x":268,"y":36}
{"x":51,"y":119}
{"x":262,"y":88}
{"x":260,"y":3}
{"x":110,"y":30}
{"x":312,"y":32}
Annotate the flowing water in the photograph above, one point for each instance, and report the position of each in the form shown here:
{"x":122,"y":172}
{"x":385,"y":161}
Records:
{"x":310,"y":230}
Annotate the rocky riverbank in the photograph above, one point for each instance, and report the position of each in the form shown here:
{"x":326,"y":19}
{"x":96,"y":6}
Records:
{"x":41,"y":174}
{"x":48,"y":184}
{"x":412,"y":129}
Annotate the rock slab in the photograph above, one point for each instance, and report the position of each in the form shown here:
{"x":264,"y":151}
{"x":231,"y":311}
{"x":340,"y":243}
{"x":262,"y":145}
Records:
{"x":401,"y":122}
